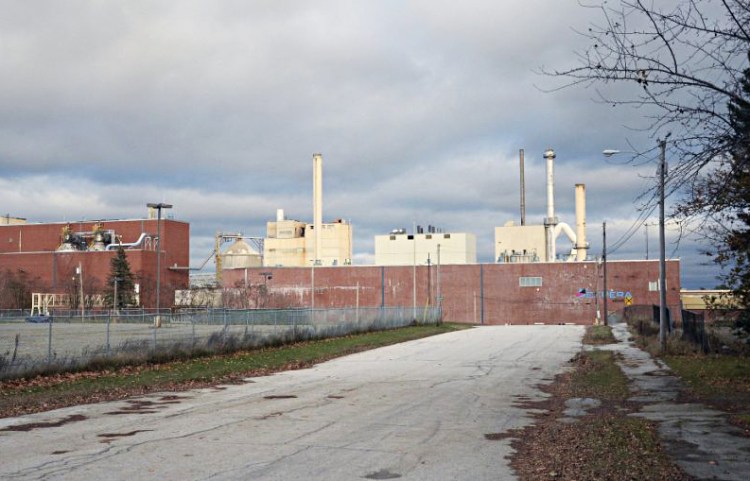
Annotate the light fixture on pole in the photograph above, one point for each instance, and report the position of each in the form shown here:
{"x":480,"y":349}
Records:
{"x":662,"y":243}
{"x":158,"y":206}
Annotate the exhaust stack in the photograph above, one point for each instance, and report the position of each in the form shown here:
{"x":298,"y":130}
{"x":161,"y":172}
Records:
{"x":317,"y":203}
{"x":551,"y":221}
{"x":523,"y":189}
{"x":581,"y":244}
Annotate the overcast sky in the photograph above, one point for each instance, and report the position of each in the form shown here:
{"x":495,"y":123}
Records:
{"x":418,"y":107}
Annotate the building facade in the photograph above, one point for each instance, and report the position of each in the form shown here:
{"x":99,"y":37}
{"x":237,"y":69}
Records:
{"x":57,"y":257}
{"x":401,"y":249}
{"x":522,"y":293}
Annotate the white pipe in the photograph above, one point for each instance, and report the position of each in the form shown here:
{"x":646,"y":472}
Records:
{"x":563,"y":227}
{"x":317,"y":202}
{"x":581,"y":244}
{"x":140,"y":240}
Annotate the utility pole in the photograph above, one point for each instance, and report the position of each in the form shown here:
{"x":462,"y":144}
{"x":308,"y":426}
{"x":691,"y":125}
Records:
{"x":662,"y":248}
{"x":80,"y":285}
{"x":604,"y":261}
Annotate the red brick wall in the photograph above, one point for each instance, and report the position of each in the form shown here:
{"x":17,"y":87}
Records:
{"x":485,"y":293}
{"x":32,"y":248}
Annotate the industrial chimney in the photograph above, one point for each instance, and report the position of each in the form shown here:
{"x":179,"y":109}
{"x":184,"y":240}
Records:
{"x":581,"y":244}
{"x":317,"y":203}
{"x":551,"y":221}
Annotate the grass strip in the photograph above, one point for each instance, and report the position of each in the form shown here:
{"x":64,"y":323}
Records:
{"x":597,"y":376}
{"x":598,"y":335}
{"x":719,"y":381}
{"x":51,"y":392}
{"x":606,"y":443}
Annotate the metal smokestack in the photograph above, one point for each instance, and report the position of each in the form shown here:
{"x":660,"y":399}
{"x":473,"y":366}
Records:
{"x":523,"y":190}
{"x":581,"y":244}
{"x":551,"y":221}
{"x":317,"y":203}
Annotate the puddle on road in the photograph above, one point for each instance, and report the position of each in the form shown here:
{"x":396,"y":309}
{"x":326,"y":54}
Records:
{"x":383,"y":474}
{"x":49,"y":424}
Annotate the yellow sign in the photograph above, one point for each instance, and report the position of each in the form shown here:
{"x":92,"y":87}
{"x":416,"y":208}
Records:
{"x":628,"y":299}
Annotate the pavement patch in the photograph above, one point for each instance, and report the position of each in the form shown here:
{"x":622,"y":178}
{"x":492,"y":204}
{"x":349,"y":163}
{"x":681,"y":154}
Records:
{"x":49,"y":424}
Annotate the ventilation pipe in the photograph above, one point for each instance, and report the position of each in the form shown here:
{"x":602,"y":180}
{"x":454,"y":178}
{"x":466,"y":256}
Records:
{"x":279,"y":215}
{"x":551,"y":221}
{"x":523,"y":190}
{"x":317,"y":203}
{"x":581,"y":244}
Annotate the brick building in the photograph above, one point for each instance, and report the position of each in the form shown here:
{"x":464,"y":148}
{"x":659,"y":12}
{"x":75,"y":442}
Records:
{"x":549,"y":293}
{"x":48,"y":255}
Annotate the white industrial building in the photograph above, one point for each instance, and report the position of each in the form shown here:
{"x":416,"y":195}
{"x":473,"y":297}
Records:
{"x":292,"y":243}
{"x":401,"y":249}
{"x":538,"y":243}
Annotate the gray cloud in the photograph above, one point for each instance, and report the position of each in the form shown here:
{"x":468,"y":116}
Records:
{"x":418,"y":107}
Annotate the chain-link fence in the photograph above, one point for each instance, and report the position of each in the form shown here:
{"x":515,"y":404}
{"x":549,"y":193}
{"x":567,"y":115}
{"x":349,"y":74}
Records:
{"x":70,"y":340}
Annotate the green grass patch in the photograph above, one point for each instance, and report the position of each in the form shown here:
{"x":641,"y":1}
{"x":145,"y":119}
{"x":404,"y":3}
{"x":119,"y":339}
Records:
{"x":49,"y":392}
{"x":597,"y":376}
{"x":723,"y":381}
{"x":599,"y":335}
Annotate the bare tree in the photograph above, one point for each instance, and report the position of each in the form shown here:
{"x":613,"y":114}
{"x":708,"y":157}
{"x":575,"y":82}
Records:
{"x":687,"y":64}
{"x":684,"y":60}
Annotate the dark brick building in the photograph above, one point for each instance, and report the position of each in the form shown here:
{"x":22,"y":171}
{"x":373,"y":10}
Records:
{"x":33,"y":250}
{"x":549,"y":293}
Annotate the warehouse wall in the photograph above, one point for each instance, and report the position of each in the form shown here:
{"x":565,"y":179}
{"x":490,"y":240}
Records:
{"x":480,"y":293}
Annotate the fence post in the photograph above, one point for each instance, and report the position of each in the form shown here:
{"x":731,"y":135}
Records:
{"x":49,"y":342}
{"x":109,"y":319}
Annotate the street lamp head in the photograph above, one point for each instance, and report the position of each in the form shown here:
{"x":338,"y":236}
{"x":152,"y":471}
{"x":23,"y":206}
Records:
{"x":610,"y":152}
{"x":160,"y":205}
{"x":549,"y":154}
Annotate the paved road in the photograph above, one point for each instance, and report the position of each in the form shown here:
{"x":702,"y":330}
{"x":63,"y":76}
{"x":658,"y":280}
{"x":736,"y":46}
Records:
{"x":416,"y":411}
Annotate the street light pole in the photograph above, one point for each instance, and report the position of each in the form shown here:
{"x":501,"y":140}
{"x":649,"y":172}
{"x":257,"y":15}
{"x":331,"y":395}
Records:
{"x":158,"y":206}
{"x":662,"y":242}
{"x":604,"y":261}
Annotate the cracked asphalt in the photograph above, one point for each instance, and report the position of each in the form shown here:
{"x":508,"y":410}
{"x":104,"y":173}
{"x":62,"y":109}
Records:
{"x":419,"y":410}
{"x":699,"y":439}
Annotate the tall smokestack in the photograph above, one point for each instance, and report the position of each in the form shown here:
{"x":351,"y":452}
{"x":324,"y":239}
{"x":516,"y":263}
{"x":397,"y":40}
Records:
{"x":581,"y":245}
{"x":317,"y":202}
{"x":551,"y":221}
{"x":523,"y":190}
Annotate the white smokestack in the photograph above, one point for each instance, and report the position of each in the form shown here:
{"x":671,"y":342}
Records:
{"x":581,"y":245}
{"x":317,"y":202}
{"x":279,"y":215}
{"x":551,"y":220}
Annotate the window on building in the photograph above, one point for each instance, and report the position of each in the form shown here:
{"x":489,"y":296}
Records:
{"x":653,"y":286}
{"x":410,"y":237}
{"x":428,"y":236}
{"x":446,"y":236}
{"x":530,"y":281}
{"x":393,"y":237}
